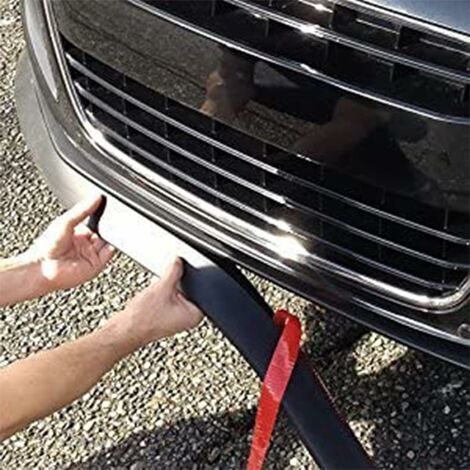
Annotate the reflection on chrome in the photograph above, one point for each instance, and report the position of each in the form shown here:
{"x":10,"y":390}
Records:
{"x":311,"y":29}
{"x":288,"y":247}
{"x":317,"y":6}
{"x":283,"y":225}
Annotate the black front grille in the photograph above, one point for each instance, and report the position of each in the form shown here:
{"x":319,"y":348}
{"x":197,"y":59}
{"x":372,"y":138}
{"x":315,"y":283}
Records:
{"x":359,"y":50}
{"x":353,"y":226}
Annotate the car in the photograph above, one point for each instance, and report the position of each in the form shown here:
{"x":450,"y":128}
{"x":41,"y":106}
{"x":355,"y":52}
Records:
{"x":322,"y":144}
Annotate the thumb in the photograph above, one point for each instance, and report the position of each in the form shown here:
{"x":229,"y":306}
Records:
{"x":81,"y":211}
{"x":174,"y":273}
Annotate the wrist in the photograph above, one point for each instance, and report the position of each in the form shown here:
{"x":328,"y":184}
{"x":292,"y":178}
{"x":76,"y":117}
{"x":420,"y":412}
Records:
{"x":33,"y":268}
{"x":120,"y":336}
{"x":21,"y":278}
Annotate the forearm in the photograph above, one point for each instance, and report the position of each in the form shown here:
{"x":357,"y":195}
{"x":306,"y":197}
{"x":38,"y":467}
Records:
{"x":21,"y":279}
{"x":37,"y":386}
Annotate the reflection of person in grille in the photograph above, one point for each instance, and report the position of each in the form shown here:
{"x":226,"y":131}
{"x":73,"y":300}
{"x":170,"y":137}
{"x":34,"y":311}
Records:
{"x":353,"y":136}
{"x":231,"y":86}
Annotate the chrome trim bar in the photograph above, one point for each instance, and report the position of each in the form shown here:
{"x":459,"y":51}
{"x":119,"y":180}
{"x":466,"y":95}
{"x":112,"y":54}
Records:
{"x":301,"y":68}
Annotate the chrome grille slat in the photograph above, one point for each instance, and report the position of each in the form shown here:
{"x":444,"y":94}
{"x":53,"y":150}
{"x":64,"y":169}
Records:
{"x":404,"y":20}
{"x":170,"y":145}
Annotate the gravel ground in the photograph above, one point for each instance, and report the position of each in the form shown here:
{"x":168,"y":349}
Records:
{"x":189,"y":402}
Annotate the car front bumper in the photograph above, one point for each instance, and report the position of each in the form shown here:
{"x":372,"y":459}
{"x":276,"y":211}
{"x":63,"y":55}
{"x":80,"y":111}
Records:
{"x":66,"y":156}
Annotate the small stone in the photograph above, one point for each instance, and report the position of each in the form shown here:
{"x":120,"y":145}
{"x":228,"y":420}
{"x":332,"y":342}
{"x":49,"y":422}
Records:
{"x":213,"y":454}
{"x":294,"y":461}
{"x":106,"y":404}
{"x":88,"y":426}
{"x":137,"y":466}
{"x":410,"y":454}
{"x":446,"y":409}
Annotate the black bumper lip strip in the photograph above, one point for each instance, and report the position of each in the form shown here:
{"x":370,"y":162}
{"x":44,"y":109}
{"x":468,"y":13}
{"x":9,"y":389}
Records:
{"x":237,"y":309}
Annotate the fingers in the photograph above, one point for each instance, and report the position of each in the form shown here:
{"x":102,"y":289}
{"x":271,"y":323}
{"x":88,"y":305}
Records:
{"x":87,"y":252}
{"x":82,"y":231}
{"x":106,"y":253}
{"x":82,"y":210}
{"x":97,"y":242}
{"x":93,"y":247}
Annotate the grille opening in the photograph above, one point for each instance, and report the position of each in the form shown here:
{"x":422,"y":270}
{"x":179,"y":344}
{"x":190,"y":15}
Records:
{"x":306,"y":198}
{"x":425,"y":89}
{"x":101,"y":117}
{"x":145,"y":119}
{"x":320,"y":12}
{"x":458,"y":223}
{"x":194,"y":11}
{"x":236,"y":166}
{"x":360,"y":68}
{"x":413,"y":209}
{"x":357,"y":190}
{"x":302,"y":48}
{"x":368,"y":28}
{"x":239,"y":141}
{"x":351,"y":215}
{"x":189,"y":143}
{"x":190,"y":117}
{"x":297,"y":166}
{"x":159,"y":151}
{"x":434,"y":49}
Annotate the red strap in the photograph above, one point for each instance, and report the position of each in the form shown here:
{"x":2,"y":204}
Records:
{"x":274,"y":386}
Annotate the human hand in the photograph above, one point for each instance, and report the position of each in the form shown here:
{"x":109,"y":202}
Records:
{"x":69,"y":253}
{"x":159,"y":310}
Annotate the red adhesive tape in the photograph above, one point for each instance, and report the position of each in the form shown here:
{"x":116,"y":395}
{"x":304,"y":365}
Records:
{"x":274,"y":386}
